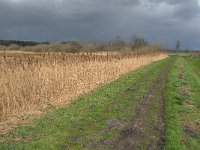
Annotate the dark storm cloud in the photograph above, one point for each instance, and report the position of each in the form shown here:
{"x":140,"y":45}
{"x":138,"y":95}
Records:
{"x":157,"y":20}
{"x":69,"y":17}
{"x":184,"y":9}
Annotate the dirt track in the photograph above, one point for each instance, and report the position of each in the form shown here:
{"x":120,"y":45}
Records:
{"x":141,"y":133}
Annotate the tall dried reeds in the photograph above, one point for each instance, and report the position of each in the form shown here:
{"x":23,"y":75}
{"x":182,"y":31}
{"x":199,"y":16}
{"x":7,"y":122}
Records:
{"x":30,"y":83}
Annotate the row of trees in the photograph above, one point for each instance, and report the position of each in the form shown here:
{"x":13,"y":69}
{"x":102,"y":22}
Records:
{"x":135,"y":43}
{"x":118,"y":44}
{"x":19,"y":43}
{"x":74,"y":46}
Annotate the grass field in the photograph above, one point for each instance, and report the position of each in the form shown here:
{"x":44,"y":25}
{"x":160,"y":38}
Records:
{"x":154,"y":107}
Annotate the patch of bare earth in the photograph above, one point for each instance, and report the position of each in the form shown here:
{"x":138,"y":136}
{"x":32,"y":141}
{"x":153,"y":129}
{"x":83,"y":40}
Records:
{"x":141,"y":133}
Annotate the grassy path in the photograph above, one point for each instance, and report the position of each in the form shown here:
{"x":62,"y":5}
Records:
{"x":182,"y":105}
{"x":154,"y":107}
{"x":146,"y":129}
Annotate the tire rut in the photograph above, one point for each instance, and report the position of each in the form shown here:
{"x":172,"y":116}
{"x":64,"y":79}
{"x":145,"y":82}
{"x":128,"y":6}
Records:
{"x":135,"y":134}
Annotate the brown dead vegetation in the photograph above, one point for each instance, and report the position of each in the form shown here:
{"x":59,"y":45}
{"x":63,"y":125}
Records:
{"x":30,"y":83}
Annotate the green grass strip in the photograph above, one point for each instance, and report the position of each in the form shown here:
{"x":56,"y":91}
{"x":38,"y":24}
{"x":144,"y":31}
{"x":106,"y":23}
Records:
{"x":173,"y":132}
{"x":177,"y":111}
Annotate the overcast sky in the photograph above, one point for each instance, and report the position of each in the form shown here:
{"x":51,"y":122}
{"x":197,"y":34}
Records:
{"x":163,"y":21}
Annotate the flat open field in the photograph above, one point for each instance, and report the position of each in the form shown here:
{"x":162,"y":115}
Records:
{"x":154,"y":107}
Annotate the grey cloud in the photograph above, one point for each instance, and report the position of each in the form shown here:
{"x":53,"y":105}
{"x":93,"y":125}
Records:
{"x":158,"y":20}
{"x":185,"y":9}
{"x":174,"y":2}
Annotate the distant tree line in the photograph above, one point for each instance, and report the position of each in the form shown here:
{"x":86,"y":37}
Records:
{"x":118,"y":44}
{"x":20,"y":43}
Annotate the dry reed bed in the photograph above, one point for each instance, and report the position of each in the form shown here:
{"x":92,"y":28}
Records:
{"x":30,"y":84}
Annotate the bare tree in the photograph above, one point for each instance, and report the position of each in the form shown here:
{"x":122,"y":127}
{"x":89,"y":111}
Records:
{"x":119,"y":43}
{"x":137,"y":42}
{"x":178,"y":44}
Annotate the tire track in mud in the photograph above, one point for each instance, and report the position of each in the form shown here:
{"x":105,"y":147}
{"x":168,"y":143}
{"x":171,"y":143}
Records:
{"x":144,"y":77}
{"x":136,"y":135}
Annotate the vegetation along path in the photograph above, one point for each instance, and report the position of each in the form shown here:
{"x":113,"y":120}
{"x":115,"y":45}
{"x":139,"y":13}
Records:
{"x":154,"y":107}
{"x":146,"y":129}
